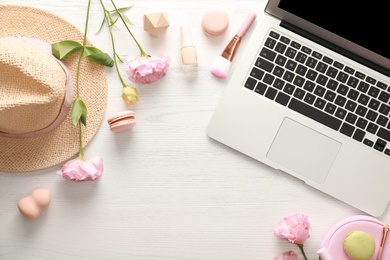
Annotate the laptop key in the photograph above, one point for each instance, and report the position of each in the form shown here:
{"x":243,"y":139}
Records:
{"x":360,"y":75}
{"x":372,"y":128}
{"x":361,"y":123}
{"x":271,"y":93}
{"x":291,"y":53}
{"x":278,"y":83}
{"x":278,"y":71}
{"x":309,"y":98}
{"x":384,"y":96}
{"x":288,"y":76}
{"x":359,"y":135}
{"x":317,"y":55}
{"x":373,"y":91}
{"x":268,"y":79}
{"x":250,"y":83}
{"x":347,"y":129}
{"x":280,"y":47}
{"x":321,"y":67}
{"x":368,"y":142}
{"x":319,"y":103}
{"x":327,"y":59}
{"x":264,"y":64}
{"x":281,"y":60}
{"x":382,"y":120}
{"x":370,"y":80}
{"x":384,"y":133}
{"x":342,"y":77}
{"x":380,"y":145}
{"x":268,"y":54}
{"x":384,"y":109}
{"x":296,"y":45}
{"x":306,"y":49}
{"x":270,"y":43}
{"x":314,"y":114}
{"x":301,"y":57}
{"x":289,"y":89}
{"x":330,"y":108}
{"x":332,"y":72}
{"x":260,"y":88}
{"x":274,"y":34}
{"x":338,"y":65}
{"x":256,"y":73}
{"x":301,"y":70}
{"x":349,"y":70}
{"x":311,"y":62}
{"x":299,"y":93}
{"x":282,"y":98}
{"x":381,"y":85}
{"x":285,"y":40}
{"x":291,"y":65}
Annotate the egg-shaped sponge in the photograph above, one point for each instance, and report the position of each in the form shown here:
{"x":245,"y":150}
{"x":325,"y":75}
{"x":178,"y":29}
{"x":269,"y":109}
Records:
{"x":359,"y":245}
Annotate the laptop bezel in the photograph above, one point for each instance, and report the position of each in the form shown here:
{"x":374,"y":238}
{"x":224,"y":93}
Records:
{"x":272,"y":8}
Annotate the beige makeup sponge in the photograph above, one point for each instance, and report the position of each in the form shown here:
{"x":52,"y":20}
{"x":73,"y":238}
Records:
{"x":32,"y":205}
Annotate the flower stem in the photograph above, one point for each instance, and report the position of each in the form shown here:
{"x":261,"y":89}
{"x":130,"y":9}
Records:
{"x":81,"y":151}
{"x":107,"y":17}
{"x":143,"y":53}
{"x":302,"y":250}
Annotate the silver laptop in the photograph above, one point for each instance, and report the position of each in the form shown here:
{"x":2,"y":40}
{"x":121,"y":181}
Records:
{"x":310,"y":96}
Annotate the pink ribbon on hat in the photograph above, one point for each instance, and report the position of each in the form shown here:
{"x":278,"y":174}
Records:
{"x":66,"y":105}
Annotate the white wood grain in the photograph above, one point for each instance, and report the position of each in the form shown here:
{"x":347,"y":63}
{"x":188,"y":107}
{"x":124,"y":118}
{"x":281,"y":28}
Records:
{"x":168,"y":191}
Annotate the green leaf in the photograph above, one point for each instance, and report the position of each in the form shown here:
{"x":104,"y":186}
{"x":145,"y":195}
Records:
{"x":79,"y":112}
{"x":96,"y":55}
{"x":63,"y":49}
{"x":127,"y":20}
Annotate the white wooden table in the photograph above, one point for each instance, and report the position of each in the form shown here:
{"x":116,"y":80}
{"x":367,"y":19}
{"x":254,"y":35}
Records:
{"x":168,"y":191}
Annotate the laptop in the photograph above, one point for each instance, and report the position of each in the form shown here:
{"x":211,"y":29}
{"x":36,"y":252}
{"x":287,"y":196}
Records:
{"x":310,"y":96}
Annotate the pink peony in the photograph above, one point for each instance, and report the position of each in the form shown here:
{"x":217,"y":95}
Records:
{"x":294,"y":228}
{"x":81,"y":169}
{"x":288,"y":255}
{"x":147,"y":69}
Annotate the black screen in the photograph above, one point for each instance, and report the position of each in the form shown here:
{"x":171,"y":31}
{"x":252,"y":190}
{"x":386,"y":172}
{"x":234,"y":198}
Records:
{"x":357,"y":22}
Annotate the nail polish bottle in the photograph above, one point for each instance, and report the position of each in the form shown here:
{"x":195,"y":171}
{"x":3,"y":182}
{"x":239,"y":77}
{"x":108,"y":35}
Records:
{"x":188,"y":50}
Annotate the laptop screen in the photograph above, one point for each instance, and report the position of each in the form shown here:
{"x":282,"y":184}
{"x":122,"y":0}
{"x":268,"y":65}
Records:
{"x":354,"y":21}
{"x":335,"y":21}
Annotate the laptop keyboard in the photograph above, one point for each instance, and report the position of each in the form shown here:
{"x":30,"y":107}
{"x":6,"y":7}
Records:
{"x":323,"y":89}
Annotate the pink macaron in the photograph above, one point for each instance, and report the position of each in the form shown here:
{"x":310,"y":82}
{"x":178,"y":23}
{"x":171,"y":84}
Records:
{"x":122,"y":121}
{"x":215,"y":23}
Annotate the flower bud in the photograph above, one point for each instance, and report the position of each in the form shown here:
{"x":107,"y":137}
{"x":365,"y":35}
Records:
{"x":129,"y":95}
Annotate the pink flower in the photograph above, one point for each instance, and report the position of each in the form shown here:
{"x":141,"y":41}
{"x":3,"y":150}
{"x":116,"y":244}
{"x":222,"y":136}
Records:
{"x":294,"y":228}
{"x":81,"y":169}
{"x":288,"y":255}
{"x":147,"y":69}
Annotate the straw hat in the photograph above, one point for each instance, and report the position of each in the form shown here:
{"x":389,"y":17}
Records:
{"x":36,"y":91}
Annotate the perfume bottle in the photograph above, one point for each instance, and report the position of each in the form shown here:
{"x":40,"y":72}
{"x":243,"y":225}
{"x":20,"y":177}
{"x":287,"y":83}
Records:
{"x":188,"y":50}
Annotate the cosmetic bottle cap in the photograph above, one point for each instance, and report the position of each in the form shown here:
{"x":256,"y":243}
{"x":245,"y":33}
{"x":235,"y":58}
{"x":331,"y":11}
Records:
{"x":186,"y":36}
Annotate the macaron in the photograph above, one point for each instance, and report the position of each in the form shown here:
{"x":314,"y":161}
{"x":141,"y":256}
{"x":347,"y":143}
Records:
{"x":215,"y":23}
{"x":122,"y":121}
{"x":359,"y":245}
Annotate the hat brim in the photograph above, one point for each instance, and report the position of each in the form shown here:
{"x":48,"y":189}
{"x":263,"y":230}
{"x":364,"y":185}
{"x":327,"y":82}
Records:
{"x":61,"y":144}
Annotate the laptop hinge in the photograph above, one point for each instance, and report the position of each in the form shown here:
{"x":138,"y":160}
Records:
{"x":335,"y":48}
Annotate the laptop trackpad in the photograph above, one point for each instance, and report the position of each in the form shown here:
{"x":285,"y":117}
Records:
{"x":303,"y":150}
